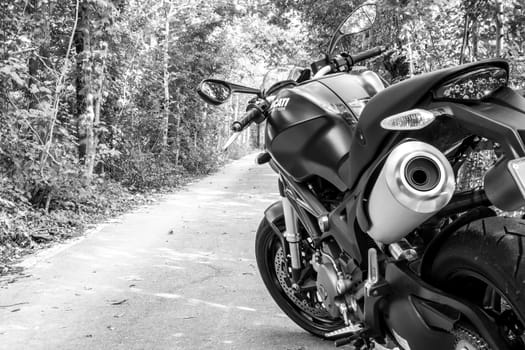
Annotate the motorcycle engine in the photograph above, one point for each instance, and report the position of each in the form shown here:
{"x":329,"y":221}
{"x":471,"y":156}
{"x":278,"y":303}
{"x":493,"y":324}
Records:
{"x":337,"y":276}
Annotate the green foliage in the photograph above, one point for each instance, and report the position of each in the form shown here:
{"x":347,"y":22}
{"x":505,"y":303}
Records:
{"x":128,"y":62}
{"x":426,"y":33}
{"x":117,"y":57}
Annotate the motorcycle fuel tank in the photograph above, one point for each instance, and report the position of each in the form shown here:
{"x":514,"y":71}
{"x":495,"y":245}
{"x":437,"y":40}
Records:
{"x":310,"y":129}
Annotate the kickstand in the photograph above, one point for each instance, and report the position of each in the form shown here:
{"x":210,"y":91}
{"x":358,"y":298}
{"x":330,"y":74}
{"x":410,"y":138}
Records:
{"x":359,"y":341}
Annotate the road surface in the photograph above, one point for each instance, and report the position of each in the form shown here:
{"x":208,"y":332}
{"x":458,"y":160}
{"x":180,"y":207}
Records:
{"x":178,"y":274}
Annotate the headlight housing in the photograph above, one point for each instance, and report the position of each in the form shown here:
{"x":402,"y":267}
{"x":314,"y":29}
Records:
{"x":474,"y":85}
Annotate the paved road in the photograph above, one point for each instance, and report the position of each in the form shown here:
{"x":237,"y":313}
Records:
{"x":179,"y":274}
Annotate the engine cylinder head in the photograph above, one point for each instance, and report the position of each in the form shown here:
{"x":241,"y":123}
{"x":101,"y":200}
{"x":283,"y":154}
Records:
{"x":415,"y":182}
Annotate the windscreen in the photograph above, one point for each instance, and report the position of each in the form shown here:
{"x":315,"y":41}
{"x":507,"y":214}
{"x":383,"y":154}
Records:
{"x":279,"y":74}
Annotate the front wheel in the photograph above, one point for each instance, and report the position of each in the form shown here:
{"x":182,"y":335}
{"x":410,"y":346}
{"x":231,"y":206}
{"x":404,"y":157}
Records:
{"x":483,"y":263}
{"x":303,"y":308}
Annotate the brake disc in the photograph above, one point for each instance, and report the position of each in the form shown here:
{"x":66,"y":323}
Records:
{"x":305,"y":303}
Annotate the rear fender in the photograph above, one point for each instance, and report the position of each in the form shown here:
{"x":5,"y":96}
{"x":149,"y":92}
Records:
{"x":437,"y":242}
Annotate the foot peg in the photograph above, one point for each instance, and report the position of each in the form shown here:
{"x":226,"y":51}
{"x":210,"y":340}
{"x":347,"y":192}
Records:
{"x":339,"y":333}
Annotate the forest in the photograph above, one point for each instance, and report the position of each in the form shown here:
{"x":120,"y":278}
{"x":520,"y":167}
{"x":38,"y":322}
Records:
{"x":98,"y":106}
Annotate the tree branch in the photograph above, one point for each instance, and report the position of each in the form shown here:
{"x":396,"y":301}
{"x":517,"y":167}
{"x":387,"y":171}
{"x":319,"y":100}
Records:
{"x":21,"y":51}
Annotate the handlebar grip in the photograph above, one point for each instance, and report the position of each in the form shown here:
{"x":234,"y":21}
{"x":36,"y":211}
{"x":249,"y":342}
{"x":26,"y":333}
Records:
{"x":376,"y":51}
{"x":246,"y":120}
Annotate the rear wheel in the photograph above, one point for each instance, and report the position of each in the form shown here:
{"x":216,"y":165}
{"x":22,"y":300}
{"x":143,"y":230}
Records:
{"x":303,"y":308}
{"x":483,"y":263}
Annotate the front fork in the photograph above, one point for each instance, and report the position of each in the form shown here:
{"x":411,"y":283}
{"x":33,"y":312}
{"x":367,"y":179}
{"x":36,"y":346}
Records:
{"x":293,"y":238}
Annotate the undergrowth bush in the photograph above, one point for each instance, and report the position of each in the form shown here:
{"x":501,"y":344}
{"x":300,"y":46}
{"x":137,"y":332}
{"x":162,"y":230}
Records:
{"x":140,"y":171}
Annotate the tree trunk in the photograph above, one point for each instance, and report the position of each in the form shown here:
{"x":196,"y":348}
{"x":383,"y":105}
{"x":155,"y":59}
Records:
{"x":475,"y":39}
{"x":99,"y":67}
{"x":499,"y":28}
{"x":41,"y":37}
{"x":258,"y":138}
{"x":165,"y":123}
{"x":177,"y":130}
{"x":33,"y":7}
{"x":410,"y":56}
{"x":85,"y":106}
{"x":91,"y":51}
{"x":465,"y":40}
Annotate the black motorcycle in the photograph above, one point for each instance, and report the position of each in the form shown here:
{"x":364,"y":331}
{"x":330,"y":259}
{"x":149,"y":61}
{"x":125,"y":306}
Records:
{"x":374,"y":240}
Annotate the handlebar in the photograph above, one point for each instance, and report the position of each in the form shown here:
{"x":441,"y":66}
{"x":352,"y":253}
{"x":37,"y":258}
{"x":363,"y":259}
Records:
{"x":376,"y":51}
{"x":246,"y":120}
{"x":343,"y":62}
{"x":255,"y":112}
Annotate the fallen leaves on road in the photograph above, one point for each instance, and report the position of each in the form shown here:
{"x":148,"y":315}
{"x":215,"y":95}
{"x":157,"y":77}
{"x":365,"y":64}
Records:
{"x":41,"y":238}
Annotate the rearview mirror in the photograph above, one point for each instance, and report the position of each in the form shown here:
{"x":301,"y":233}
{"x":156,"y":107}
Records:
{"x":214,"y":92}
{"x":360,"y":20}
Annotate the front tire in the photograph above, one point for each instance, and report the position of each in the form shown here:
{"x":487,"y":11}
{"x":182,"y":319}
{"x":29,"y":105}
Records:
{"x":483,"y":263}
{"x":271,"y":261}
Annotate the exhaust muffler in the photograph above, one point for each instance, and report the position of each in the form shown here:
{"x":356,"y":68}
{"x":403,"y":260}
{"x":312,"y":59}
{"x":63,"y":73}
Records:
{"x":415,"y":183}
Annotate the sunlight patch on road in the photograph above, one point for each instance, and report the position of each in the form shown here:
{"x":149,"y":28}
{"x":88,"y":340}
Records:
{"x":176,"y":255}
{"x":172,"y":267}
{"x":198,"y":256}
{"x":168,"y":295}
{"x":111,"y":253}
{"x":244,"y":308}
{"x":82,"y":256}
{"x":13,"y":327}
{"x":209,"y":192}
{"x":193,"y":301}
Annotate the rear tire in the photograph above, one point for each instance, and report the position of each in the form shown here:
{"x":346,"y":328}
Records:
{"x":483,"y":262}
{"x":268,"y":250}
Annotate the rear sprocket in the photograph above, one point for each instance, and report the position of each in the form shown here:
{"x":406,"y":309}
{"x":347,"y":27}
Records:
{"x":469,"y":340}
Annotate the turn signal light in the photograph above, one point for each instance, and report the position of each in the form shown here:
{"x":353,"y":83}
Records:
{"x":413,"y":119}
